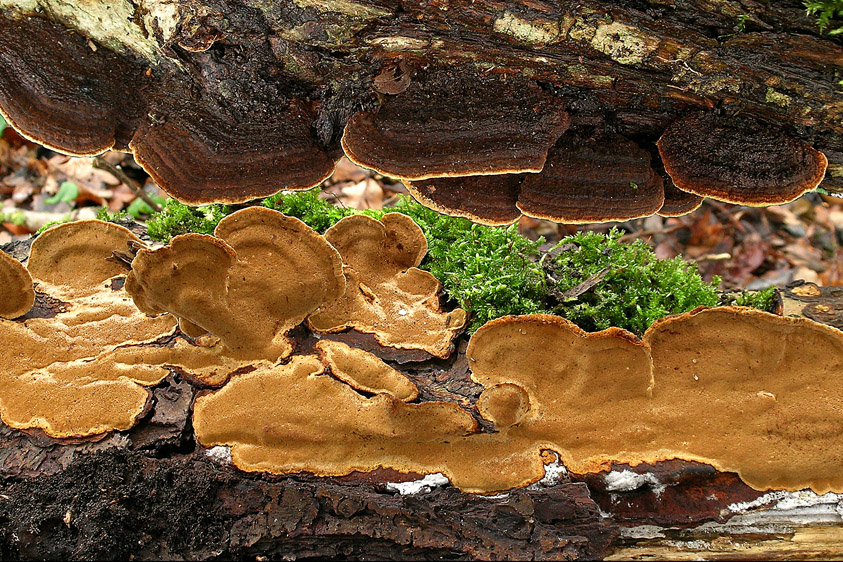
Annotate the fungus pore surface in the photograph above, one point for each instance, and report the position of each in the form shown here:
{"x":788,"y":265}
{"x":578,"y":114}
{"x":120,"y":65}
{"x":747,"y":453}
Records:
{"x":16,"y":292}
{"x":257,"y":278}
{"x":386,"y":294}
{"x":82,"y":371}
{"x":743,"y":390}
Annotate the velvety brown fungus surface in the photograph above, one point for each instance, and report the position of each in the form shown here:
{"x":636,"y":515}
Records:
{"x":16,"y":292}
{"x":739,"y":160}
{"x":445,"y":127}
{"x":365,"y":372}
{"x":386,"y":294}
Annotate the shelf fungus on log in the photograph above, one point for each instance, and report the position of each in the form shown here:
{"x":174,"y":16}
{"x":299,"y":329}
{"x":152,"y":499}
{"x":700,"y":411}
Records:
{"x":295,"y":418}
{"x":365,"y":372}
{"x":78,"y":257}
{"x":607,"y":178}
{"x":386,"y":294}
{"x":59,"y":92}
{"x":259,"y":277}
{"x":198,"y":155}
{"x":16,"y":292}
{"x":740,"y":389}
{"x":678,"y":202}
{"x":445,"y":125}
{"x":739,"y":160}
{"x":81,"y":370}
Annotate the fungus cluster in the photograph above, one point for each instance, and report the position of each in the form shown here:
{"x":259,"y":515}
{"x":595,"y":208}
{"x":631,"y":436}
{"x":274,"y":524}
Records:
{"x":386,"y":294}
{"x":592,"y":397}
{"x":487,"y":146}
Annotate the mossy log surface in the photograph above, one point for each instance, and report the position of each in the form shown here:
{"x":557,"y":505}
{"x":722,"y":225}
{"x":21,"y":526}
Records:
{"x":630,"y":67}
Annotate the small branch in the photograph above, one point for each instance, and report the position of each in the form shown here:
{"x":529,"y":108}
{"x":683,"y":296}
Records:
{"x":121,"y":176}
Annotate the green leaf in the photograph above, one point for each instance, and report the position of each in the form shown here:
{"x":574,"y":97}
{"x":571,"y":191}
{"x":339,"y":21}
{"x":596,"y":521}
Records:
{"x":67,"y":193}
{"x":2,"y":125}
{"x":139,"y":207}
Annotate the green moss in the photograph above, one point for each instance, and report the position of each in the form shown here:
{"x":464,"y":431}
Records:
{"x":103,"y":214}
{"x":15,"y":217}
{"x":762,"y":300}
{"x":826,"y":11}
{"x":63,"y":220}
{"x":631,"y":287}
{"x":176,"y":218}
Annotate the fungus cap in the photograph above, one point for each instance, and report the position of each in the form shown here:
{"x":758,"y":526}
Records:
{"x":386,"y":294}
{"x":441,"y":127}
{"x":16,"y":293}
{"x":738,"y":160}
{"x":259,"y":277}
{"x":76,"y":256}
{"x":366,"y":372}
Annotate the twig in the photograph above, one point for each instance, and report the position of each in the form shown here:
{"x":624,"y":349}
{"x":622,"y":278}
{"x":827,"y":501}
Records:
{"x":641,"y":233}
{"x":121,"y":176}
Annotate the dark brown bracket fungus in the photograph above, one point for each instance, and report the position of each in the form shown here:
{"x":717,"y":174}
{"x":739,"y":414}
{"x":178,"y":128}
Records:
{"x":258,"y":278}
{"x":16,"y":292}
{"x":678,"y":202}
{"x":608,"y":178}
{"x":58,"y":91}
{"x":198,"y":156}
{"x":738,"y":160}
{"x":482,"y":125}
{"x":386,"y":294}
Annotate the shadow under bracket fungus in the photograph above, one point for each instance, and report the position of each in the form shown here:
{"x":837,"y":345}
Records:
{"x":765,"y":406}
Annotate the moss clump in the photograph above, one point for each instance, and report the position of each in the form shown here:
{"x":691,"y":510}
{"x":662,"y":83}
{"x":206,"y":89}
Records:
{"x":176,"y":218}
{"x":826,"y":11}
{"x":599,"y":282}
{"x":762,"y":300}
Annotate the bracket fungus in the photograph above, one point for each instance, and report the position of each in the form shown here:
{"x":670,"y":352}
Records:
{"x":76,"y":257}
{"x":199,"y":156}
{"x":739,"y":160}
{"x":441,"y":127}
{"x":365,"y":372}
{"x":16,"y":293}
{"x":294,"y":418}
{"x":606,"y":178}
{"x":386,"y":294}
{"x":81,"y":371}
{"x":737,"y":388}
{"x":259,"y":277}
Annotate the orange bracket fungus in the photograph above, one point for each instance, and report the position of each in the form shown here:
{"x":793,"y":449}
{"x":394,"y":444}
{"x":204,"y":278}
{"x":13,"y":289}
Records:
{"x":738,"y":160}
{"x":293,"y":418}
{"x":83,"y":370}
{"x":584,"y":180}
{"x":483,"y":125}
{"x":16,"y":292}
{"x":386,"y":294}
{"x":728,"y":386}
{"x":76,"y":257}
{"x":259,"y":277}
{"x":365,"y":372}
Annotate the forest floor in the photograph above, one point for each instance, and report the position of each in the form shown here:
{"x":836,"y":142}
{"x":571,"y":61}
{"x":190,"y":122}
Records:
{"x":749,"y":248}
